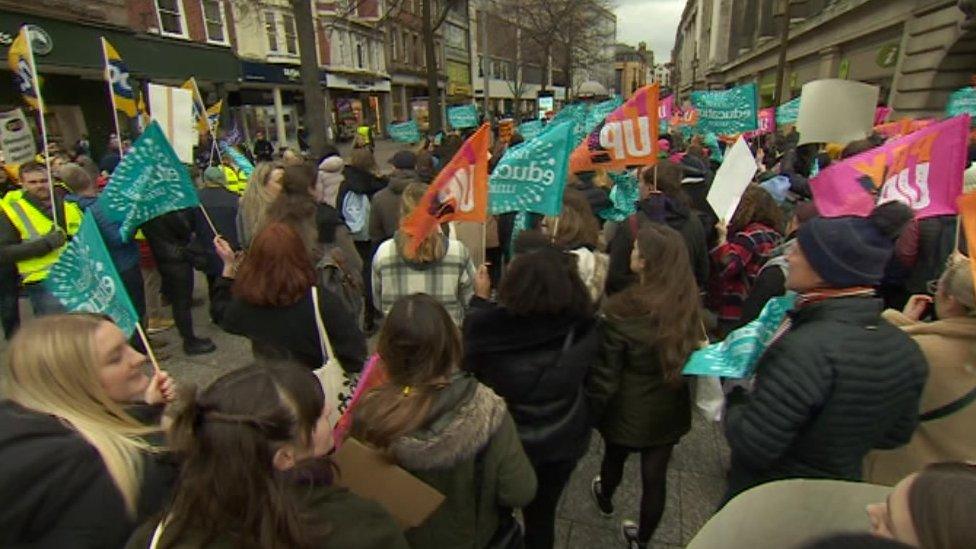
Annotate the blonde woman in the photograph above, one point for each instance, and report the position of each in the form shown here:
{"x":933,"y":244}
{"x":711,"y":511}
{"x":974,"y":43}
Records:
{"x":263,"y":187}
{"x":78,"y":468}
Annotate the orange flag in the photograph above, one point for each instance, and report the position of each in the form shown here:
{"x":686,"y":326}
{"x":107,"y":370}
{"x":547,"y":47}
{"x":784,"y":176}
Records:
{"x":460,"y":192}
{"x":967,"y":212}
{"x":628,"y":136}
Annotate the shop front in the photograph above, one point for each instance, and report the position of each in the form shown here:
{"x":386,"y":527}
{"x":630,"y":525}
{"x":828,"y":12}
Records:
{"x":357,"y":99}
{"x":270,"y":100}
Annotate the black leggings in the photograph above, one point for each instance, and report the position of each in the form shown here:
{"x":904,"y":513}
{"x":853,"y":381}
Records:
{"x":654,"y":472}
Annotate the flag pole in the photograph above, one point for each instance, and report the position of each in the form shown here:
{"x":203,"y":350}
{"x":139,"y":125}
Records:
{"x":111,"y":94}
{"x":149,"y":351}
{"x":209,"y":221}
{"x":206,"y":118}
{"x":40,"y":110}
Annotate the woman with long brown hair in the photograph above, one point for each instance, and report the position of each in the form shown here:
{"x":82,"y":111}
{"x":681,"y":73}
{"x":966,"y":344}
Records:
{"x":254,"y":471}
{"x":577,"y":231}
{"x":445,"y":428}
{"x":635,"y":388}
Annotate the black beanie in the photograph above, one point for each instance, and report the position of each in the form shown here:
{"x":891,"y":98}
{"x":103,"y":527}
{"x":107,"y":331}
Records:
{"x":853,"y":251}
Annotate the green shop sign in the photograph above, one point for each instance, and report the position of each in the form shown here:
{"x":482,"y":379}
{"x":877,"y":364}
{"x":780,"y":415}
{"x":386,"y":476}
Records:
{"x":887,"y":56}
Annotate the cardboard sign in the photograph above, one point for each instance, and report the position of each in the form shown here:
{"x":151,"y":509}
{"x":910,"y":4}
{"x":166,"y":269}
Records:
{"x":173,"y":109}
{"x":836,"y":111}
{"x":732,"y":178}
{"x":16,"y":138}
{"x":370,"y":475}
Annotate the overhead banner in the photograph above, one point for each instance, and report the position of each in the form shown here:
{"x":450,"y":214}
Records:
{"x":531,"y":176}
{"x":172,"y":108}
{"x":963,"y":101}
{"x":923,"y":169}
{"x":727,"y":112}
{"x":462,"y":117}
{"x":16,"y":138}
{"x":628,"y":136}
{"x":787,"y":113}
{"x":836,"y":111}
{"x":405,"y":132}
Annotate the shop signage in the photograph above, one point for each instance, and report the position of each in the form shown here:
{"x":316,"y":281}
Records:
{"x":887,"y":56}
{"x":457,"y":88}
{"x":357,"y":83}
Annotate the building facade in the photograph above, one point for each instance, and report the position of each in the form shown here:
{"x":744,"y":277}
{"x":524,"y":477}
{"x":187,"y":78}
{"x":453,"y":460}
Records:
{"x":633,"y":68}
{"x":407,"y":62}
{"x":916,"y":51}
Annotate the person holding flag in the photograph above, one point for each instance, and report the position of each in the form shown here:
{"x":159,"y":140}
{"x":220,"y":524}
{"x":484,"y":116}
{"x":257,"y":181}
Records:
{"x":33,"y":232}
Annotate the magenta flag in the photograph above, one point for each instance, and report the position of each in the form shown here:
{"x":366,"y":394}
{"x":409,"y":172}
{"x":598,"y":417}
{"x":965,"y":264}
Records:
{"x":923,"y":169}
{"x":881,"y":115}
{"x":767,"y":123}
{"x":665,"y":108}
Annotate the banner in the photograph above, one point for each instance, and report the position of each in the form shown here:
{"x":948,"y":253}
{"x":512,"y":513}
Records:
{"x":767,"y":123}
{"x":85,"y":280}
{"x":737,"y":355}
{"x":836,"y":111}
{"x":963,"y":101}
{"x":529,"y":130}
{"x":460,"y":192}
{"x":628,"y":136}
{"x":923,"y":170}
{"x":463,"y":116}
{"x":20,"y":58}
{"x":16,"y":139}
{"x":623,"y":195}
{"x":727,"y":112}
{"x":405,"y":132}
{"x":172,"y":109}
{"x":787,"y":113}
{"x":149,"y":182}
{"x":531,"y":176}
{"x":117,"y":75}
{"x":731,"y":180}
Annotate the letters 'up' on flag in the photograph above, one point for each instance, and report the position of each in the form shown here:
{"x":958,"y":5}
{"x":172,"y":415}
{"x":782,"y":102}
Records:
{"x":117,"y":75}
{"x":531,"y":176}
{"x":85,"y":280}
{"x":199,"y":109}
{"x":923,"y":169}
{"x":628,"y":137}
{"x":149,"y":182}
{"x":21,"y":61}
{"x":460,"y":192}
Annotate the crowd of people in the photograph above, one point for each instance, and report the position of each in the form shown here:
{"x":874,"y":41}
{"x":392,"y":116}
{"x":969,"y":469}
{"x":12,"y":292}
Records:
{"x":497,"y":357}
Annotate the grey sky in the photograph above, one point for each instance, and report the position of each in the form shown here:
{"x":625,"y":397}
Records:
{"x":651,"y":21}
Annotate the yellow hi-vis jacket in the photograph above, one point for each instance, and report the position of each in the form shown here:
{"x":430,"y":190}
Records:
{"x":32,"y":224}
{"x":236,"y":181}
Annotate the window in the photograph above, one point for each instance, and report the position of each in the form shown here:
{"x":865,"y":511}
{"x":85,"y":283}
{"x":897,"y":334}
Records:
{"x":170,"y":18}
{"x":291,"y":38}
{"x":360,"y":59}
{"x":394,"y":45}
{"x":407,"y":48}
{"x":214,"y":21}
{"x":271,"y":27}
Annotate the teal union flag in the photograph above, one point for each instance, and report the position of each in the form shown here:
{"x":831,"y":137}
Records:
{"x":149,"y":182}
{"x":85,"y":280}
{"x":404,"y":132}
{"x":463,"y":116}
{"x":531,"y":176}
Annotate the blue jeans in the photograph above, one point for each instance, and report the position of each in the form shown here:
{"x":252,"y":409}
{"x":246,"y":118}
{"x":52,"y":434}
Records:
{"x":42,"y":301}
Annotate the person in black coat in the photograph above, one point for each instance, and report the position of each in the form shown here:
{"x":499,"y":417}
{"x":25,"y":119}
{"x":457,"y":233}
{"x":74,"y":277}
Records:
{"x":666,"y":203}
{"x":534,"y":349}
{"x":221,"y":205}
{"x":838,"y":380}
{"x":263,"y":149}
{"x":170,"y":236}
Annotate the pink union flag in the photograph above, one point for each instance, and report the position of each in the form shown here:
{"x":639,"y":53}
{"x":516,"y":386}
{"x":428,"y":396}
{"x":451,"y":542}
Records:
{"x":767,"y":123}
{"x":923,"y":169}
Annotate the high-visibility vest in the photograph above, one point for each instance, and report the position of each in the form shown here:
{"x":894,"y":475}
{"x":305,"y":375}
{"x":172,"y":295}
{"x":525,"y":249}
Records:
{"x":363,"y":132}
{"x":33,"y":224}
{"x":235,"y":182}
{"x":14,"y":194}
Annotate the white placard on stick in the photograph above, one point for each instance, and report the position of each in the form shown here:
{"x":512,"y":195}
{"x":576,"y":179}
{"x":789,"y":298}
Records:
{"x":733,"y":176}
{"x":173,"y":109}
{"x":16,"y":138}
{"x":836,"y":111}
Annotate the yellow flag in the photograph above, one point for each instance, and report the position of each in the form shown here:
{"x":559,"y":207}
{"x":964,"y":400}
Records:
{"x":199,"y":109}
{"x":213,"y":113}
{"x":20,"y":59}
{"x":117,"y":75}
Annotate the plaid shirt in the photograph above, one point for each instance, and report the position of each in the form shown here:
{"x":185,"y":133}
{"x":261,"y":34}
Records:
{"x":450,"y":280}
{"x":736,"y":265}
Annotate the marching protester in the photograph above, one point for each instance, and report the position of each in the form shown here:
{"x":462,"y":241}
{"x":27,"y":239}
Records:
{"x":80,"y":438}
{"x":446,"y":429}
{"x":576,"y":230}
{"x":534,"y":349}
{"x":270,"y":418}
{"x":838,"y":380}
{"x":638,"y":395}
{"x":262,"y":189}
{"x":221,"y":206}
{"x":295,"y":206}
{"x":384,"y":216}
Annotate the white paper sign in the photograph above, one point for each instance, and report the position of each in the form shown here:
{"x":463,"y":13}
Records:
{"x":733,"y":176}
{"x":836,"y":111}
{"x":16,"y":138}
{"x":173,"y":109}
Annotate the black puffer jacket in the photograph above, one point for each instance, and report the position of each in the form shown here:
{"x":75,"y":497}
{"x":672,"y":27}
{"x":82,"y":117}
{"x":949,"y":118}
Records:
{"x":840,"y":383}
{"x":170,"y":235}
{"x":359,"y":181}
{"x":517,"y":357}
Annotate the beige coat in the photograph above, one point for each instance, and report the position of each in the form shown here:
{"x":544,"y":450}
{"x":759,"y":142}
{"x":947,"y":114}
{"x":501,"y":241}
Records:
{"x":950,"y":348}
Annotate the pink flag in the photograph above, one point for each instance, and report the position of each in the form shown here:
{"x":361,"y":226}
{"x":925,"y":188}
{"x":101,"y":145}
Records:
{"x":767,"y":123}
{"x":902,"y":127}
{"x":881,"y":115}
{"x":665,"y":108}
{"x":913,"y":169}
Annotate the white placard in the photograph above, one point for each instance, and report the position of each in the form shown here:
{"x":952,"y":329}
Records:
{"x":836,"y":111}
{"x":173,"y":109}
{"x":733,"y":176}
{"x":16,"y":138}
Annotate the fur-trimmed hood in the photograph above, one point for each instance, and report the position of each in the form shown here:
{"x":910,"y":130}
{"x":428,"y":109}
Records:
{"x":463,"y":419}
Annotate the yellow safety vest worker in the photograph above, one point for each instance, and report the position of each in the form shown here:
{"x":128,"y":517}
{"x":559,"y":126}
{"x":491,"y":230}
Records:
{"x":32,"y":224}
{"x":363,"y":132}
{"x":235,"y":180}
{"x":14,"y":194}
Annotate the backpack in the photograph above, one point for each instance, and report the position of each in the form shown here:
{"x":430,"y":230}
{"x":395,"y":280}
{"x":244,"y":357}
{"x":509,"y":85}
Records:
{"x":355,"y":211}
{"x":334,"y":277}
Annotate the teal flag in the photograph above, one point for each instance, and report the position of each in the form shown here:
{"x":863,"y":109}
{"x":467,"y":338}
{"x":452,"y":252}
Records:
{"x":727,"y":112}
{"x":623,"y":195}
{"x":406,"y":132}
{"x":575,"y":114}
{"x":529,"y":130}
{"x":85,"y":280}
{"x":463,"y":116}
{"x":714,"y":149}
{"x":963,"y":101}
{"x":598,"y":113}
{"x":149,"y":182}
{"x":737,"y":355}
{"x":239,"y":159}
{"x":787,"y":113}
{"x":532,"y":175}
